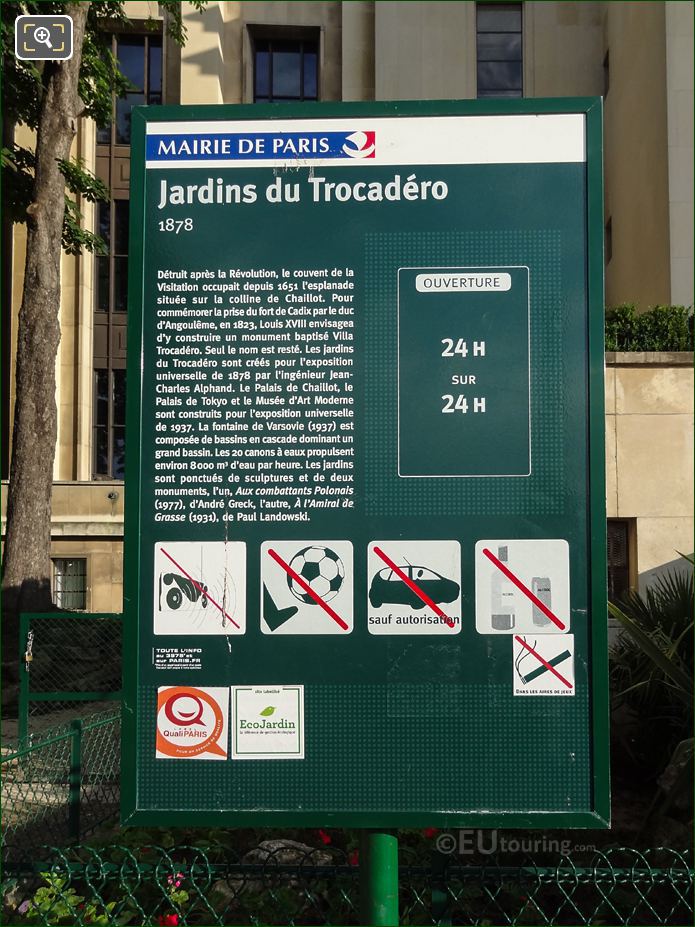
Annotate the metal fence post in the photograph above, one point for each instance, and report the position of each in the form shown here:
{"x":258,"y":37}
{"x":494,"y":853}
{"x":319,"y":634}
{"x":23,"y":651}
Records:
{"x":378,"y":879}
{"x":440,"y":898}
{"x":23,"y":665}
{"x":75,"y":779}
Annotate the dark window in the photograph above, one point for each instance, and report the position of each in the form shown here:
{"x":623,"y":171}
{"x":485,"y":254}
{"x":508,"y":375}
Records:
{"x":140,"y":60}
{"x":6,"y":255}
{"x":109,"y":423}
{"x":70,"y":582}
{"x":111,"y":303}
{"x":606,"y":74}
{"x":285,"y":70}
{"x":618,"y":558}
{"x":112,"y":268}
{"x":499,"y":52}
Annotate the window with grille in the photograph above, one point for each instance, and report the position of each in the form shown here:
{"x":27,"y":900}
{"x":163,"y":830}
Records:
{"x":109,"y":423}
{"x":112,"y":268}
{"x":618,"y":558}
{"x":140,"y":60}
{"x":499,"y":50}
{"x":70,"y":583}
{"x":111,"y":297}
{"x":285,"y":69}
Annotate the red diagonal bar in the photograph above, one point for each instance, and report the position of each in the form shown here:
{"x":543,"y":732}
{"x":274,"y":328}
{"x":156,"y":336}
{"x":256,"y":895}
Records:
{"x":307,"y":588}
{"x":416,"y":589}
{"x":544,"y":662}
{"x":200,"y":589}
{"x":527,"y":592}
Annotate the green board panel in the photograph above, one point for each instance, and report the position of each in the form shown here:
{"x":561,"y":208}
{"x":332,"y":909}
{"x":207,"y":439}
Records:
{"x":463,"y":372}
{"x":365,"y":522}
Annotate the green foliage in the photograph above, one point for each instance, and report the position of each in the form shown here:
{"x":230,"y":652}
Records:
{"x":662,"y":328}
{"x":75,"y":237}
{"x":652,"y":663}
{"x":17,"y":181}
{"x":57,"y":902}
{"x":100,"y":79}
{"x":81,"y":182}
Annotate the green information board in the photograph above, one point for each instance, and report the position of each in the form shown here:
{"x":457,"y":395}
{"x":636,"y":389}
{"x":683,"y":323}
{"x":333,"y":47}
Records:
{"x":365,"y":526}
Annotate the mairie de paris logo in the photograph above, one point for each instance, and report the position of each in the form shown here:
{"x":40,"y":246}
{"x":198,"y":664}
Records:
{"x":360,"y":145}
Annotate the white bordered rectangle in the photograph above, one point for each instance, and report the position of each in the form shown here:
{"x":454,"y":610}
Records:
{"x":552,"y":138}
{"x":268,"y":722}
{"x":465,"y":272}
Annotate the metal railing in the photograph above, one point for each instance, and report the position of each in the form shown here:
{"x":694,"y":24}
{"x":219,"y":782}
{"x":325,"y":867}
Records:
{"x":59,"y":785}
{"x":191,"y":885}
{"x":64,"y":785}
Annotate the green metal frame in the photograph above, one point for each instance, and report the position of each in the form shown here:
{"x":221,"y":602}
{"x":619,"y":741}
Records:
{"x":592,"y":108}
{"x":26,"y":696}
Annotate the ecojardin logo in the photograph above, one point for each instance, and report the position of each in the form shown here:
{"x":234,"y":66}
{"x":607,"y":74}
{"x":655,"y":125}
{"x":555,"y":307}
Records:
{"x":265,"y":724}
{"x":268,"y":722}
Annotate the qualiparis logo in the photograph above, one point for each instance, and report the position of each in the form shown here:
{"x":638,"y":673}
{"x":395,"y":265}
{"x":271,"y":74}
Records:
{"x":360,"y":145}
{"x":192,"y":723}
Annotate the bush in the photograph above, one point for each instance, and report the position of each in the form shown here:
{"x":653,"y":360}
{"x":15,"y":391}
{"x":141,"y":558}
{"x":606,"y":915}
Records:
{"x":652,"y":666}
{"x":663,"y":328}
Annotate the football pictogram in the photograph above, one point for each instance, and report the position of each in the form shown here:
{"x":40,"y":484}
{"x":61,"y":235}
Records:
{"x":321,"y":569}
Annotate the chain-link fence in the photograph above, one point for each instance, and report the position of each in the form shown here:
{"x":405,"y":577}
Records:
{"x":63,"y":785}
{"x":283,"y":884}
{"x":70,"y":665}
{"x":59,"y":785}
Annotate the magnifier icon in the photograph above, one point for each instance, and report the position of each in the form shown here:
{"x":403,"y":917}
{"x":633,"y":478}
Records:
{"x":43,"y":35}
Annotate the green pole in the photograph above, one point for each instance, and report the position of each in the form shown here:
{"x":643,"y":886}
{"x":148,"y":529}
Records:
{"x":75,"y":779}
{"x":378,"y":879}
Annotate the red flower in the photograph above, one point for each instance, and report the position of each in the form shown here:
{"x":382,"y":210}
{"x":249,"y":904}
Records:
{"x":324,"y":837}
{"x":168,"y":920}
{"x":354,"y":858}
{"x":430,"y":832}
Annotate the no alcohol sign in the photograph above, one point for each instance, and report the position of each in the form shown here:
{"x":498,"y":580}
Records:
{"x":364,"y":535}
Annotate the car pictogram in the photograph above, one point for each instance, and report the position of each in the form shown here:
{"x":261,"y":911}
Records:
{"x":388,"y":588}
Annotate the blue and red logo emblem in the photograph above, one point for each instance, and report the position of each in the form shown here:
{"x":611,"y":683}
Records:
{"x":360,"y":145}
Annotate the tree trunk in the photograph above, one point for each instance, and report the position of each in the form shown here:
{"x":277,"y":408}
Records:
{"x":26,"y":563}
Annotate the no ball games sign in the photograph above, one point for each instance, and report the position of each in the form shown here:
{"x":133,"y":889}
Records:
{"x":364,"y":537}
